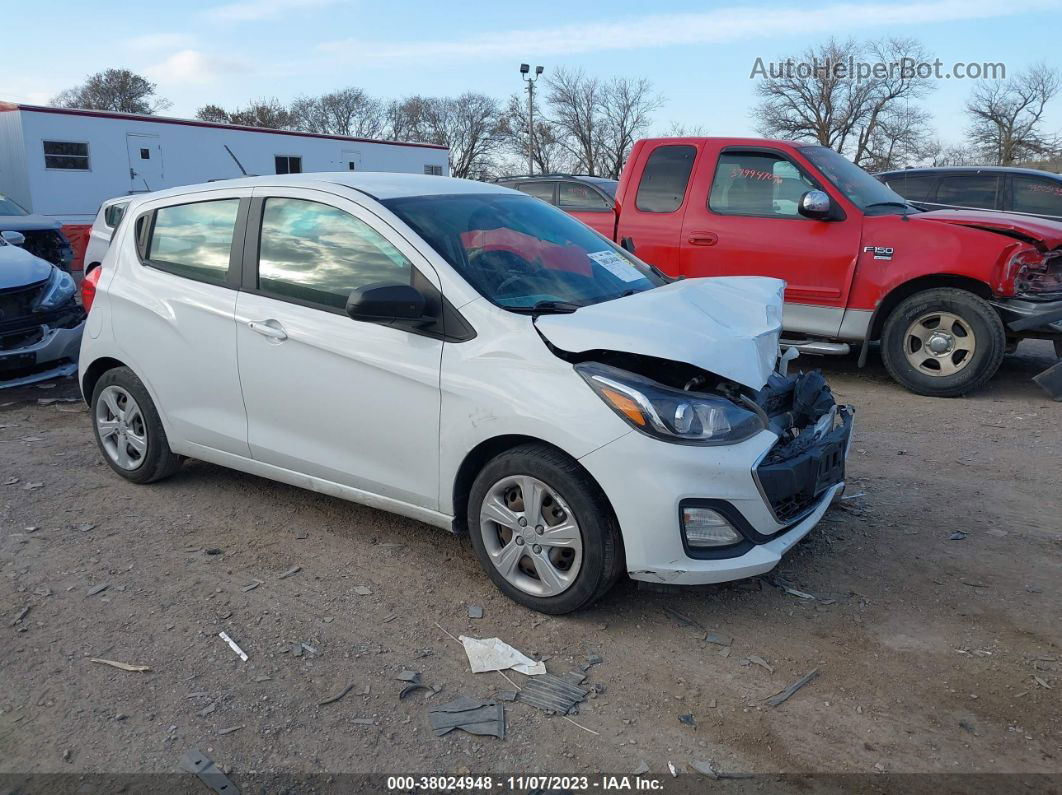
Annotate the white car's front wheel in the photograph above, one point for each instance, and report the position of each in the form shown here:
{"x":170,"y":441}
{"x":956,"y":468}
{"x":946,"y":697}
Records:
{"x":543,"y":530}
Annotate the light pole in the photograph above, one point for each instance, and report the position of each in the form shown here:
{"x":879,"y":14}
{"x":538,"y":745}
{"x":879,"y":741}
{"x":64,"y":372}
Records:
{"x":525,"y":70}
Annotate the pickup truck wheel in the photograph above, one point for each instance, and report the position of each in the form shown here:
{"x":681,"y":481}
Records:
{"x":943,"y":342}
{"x":543,"y":530}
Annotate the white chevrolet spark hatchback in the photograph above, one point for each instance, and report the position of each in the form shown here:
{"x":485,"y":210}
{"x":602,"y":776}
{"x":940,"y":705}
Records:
{"x":468,"y":356}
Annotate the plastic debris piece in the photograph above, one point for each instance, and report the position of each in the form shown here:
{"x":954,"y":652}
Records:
{"x":293,"y":570}
{"x":575,"y":677}
{"x":718,"y":638}
{"x":958,"y":535}
{"x":362,"y":590}
{"x":309,"y":648}
{"x":409,"y":676}
{"x":232,"y":645}
{"x":208,"y":709}
{"x":508,"y":695}
{"x":704,"y":768}
{"x":121,"y":665}
{"x":9,"y":481}
{"x":673,"y":769}
{"x":251,"y":585}
{"x":95,"y":589}
{"x":363,"y":721}
{"x":784,"y":695}
{"x":229,"y":730}
{"x":412,"y":688}
{"x":203,"y":766}
{"x":762,"y":663}
{"x":552,"y":694}
{"x":337,"y":696}
{"x":642,"y":769}
{"x":475,"y":611}
{"x":474,"y":716}
{"x":688,"y":719}
{"x":492,"y":654}
{"x":21,"y":615}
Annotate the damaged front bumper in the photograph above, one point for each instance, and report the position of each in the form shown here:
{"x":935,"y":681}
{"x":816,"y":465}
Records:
{"x":30,"y":353}
{"x":772,"y":489}
{"x":1025,"y":317}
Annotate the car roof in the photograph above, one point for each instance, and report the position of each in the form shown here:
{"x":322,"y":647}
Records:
{"x":573,"y":177}
{"x":375,"y":184}
{"x":937,"y":170}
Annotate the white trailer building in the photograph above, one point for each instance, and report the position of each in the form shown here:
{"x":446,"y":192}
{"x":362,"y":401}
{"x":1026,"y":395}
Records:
{"x":63,"y":163}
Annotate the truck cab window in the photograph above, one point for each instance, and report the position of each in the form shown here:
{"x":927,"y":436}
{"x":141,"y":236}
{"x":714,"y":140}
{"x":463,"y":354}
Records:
{"x":968,"y":191}
{"x":664,"y":179}
{"x":757,"y":183}
{"x":1037,"y":196}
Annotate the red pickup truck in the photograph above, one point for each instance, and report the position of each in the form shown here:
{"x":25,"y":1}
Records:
{"x":947,"y":292}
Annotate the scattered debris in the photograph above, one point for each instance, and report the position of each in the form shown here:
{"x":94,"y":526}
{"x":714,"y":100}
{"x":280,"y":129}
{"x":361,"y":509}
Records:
{"x":704,"y":768}
{"x":718,"y":638}
{"x":308,"y":648}
{"x":642,"y":769}
{"x":21,"y":615}
{"x":409,"y":676}
{"x":958,"y":535}
{"x":974,"y":584}
{"x":215,"y":551}
{"x":784,"y":695}
{"x":491,"y":654}
{"x":293,"y":570}
{"x":967,"y":726}
{"x":208,"y":709}
{"x":508,"y":695}
{"x":474,"y":716}
{"x":853,"y":496}
{"x":252,"y":585}
{"x":1041,"y":682}
{"x":673,"y":769}
{"x":229,"y":730}
{"x":688,"y":719}
{"x":233,"y":646}
{"x":762,"y":663}
{"x":390,"y":618}
{"x":362,"y":590}
{"x":552,"y":694}
{"x":95,"y":589}
{"x":475,"y":611}
{"x":203,"y":766}
{"x":263,"y":678}
{"x":337,"y":696}
{"x":595,"y":659}
{"x":413,"y":678}
{"x":32,"y":486}
{"x":9,"y":481}
{"x":121,"y":665}
{"x":84,"y":527}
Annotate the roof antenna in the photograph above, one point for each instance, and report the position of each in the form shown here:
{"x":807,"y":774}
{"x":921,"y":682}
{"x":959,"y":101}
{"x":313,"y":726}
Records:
{"x":239,"y":165}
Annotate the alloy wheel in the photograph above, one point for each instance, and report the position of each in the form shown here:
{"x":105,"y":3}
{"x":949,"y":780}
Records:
{"x":939,"y":343}
{"x":121,"y":427}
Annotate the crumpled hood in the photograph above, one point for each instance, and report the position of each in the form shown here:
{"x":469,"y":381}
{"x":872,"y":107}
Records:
{"x":1045,"y":234}
{"x":27,"y":223}
{"x":726,"y":325}
{"x":19,"y":268}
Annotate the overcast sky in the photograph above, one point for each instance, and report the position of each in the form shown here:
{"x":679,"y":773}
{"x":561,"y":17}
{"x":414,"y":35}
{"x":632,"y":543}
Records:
{"x":698,"y":55}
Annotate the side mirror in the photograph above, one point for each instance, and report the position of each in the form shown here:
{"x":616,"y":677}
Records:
{"x":385,"y":302}
{"x":815,"y":204}
{"x":13,"y":238}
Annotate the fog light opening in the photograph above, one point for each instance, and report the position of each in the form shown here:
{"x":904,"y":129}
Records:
{"x":704,"y":527}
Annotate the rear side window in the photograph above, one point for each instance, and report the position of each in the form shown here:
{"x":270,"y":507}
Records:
{"x":540,"y":190}
{"x":574,"y":196}
{"x":913,"y":188}
{"x":664,"y":179}
{"x":757,"y":183}
{"x":1037,"y":196}
{"x":968,"y":191}
{"x":314,"y":253}
{"x":113,"y":215}
{"x":194,"y":240}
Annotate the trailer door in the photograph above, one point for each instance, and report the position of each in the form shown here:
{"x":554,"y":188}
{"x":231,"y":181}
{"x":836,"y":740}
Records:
{"x":351,"y":160}
{"x":145,"y":162}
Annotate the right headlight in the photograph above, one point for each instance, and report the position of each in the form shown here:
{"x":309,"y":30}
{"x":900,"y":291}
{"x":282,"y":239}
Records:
{"x":670,"y":414}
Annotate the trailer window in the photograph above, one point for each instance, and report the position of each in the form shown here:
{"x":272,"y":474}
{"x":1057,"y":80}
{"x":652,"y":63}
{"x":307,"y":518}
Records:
{"x":434,"y":171}
{"x":288,"y":164}
{"x":194,"y":240}
{"x":69,"y":155}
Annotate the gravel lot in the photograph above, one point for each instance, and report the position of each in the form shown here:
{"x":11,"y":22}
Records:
{"x":930,"y":606}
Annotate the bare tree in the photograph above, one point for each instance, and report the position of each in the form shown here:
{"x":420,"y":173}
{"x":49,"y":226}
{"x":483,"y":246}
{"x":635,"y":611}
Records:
{"x":548,"y":154}
{"x":349,"y":111}
{"x":815,"y":97}
{"x":113,"y":89}
{"x":676,"y":129}
{"x":467,"y":124}
{"x":941,"y":154}
{"x":1007,"y":116}
{"x":627,"y":111}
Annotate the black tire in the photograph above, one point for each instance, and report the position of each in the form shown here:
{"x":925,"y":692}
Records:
{"x":984,"y":323}
{"x":158,"y":461}
{"x":602,"y":560}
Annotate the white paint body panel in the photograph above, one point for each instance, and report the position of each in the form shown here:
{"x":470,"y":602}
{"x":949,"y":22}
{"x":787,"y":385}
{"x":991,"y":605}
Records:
{"x":385,"y":418}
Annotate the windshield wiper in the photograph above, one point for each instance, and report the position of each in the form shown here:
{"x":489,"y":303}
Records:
{"x":545,"y":308}
{"x":890,"y":204}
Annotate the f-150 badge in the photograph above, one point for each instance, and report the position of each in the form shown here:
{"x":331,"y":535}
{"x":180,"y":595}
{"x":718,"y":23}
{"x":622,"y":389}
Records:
{"x":879,"y":252}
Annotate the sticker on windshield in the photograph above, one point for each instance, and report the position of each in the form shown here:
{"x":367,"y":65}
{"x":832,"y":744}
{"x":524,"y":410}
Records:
{"x":616,"y":265}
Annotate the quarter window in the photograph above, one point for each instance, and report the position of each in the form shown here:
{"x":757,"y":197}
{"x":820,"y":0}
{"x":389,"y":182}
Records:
{"x":540,"y":190}
{"x":757,"y":183}
{"x":194,"y":240}
{"x":573,"y":196}
{"x":113,"y":215}
{"x":288,"y":164}
{"x":67,"y":155}
{"x":1037,"y":196}
{"x":315,"y":253}
{"x":664,"y":179}
{"x":968,"y":191}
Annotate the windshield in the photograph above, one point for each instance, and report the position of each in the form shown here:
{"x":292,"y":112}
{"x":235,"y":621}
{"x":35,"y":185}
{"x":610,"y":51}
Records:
{"x":519,"y":252}
{"x":10,"y":206}
{"x":861,"y":189}
{"x":608,"y":186}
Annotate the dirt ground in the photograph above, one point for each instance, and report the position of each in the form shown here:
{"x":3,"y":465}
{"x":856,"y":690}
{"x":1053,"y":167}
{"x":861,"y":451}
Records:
{"x":934,"y":618}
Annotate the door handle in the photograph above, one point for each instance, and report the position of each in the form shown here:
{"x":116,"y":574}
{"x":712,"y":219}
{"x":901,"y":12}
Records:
{"x":703,"y":238}
{"x":268,"y":328}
